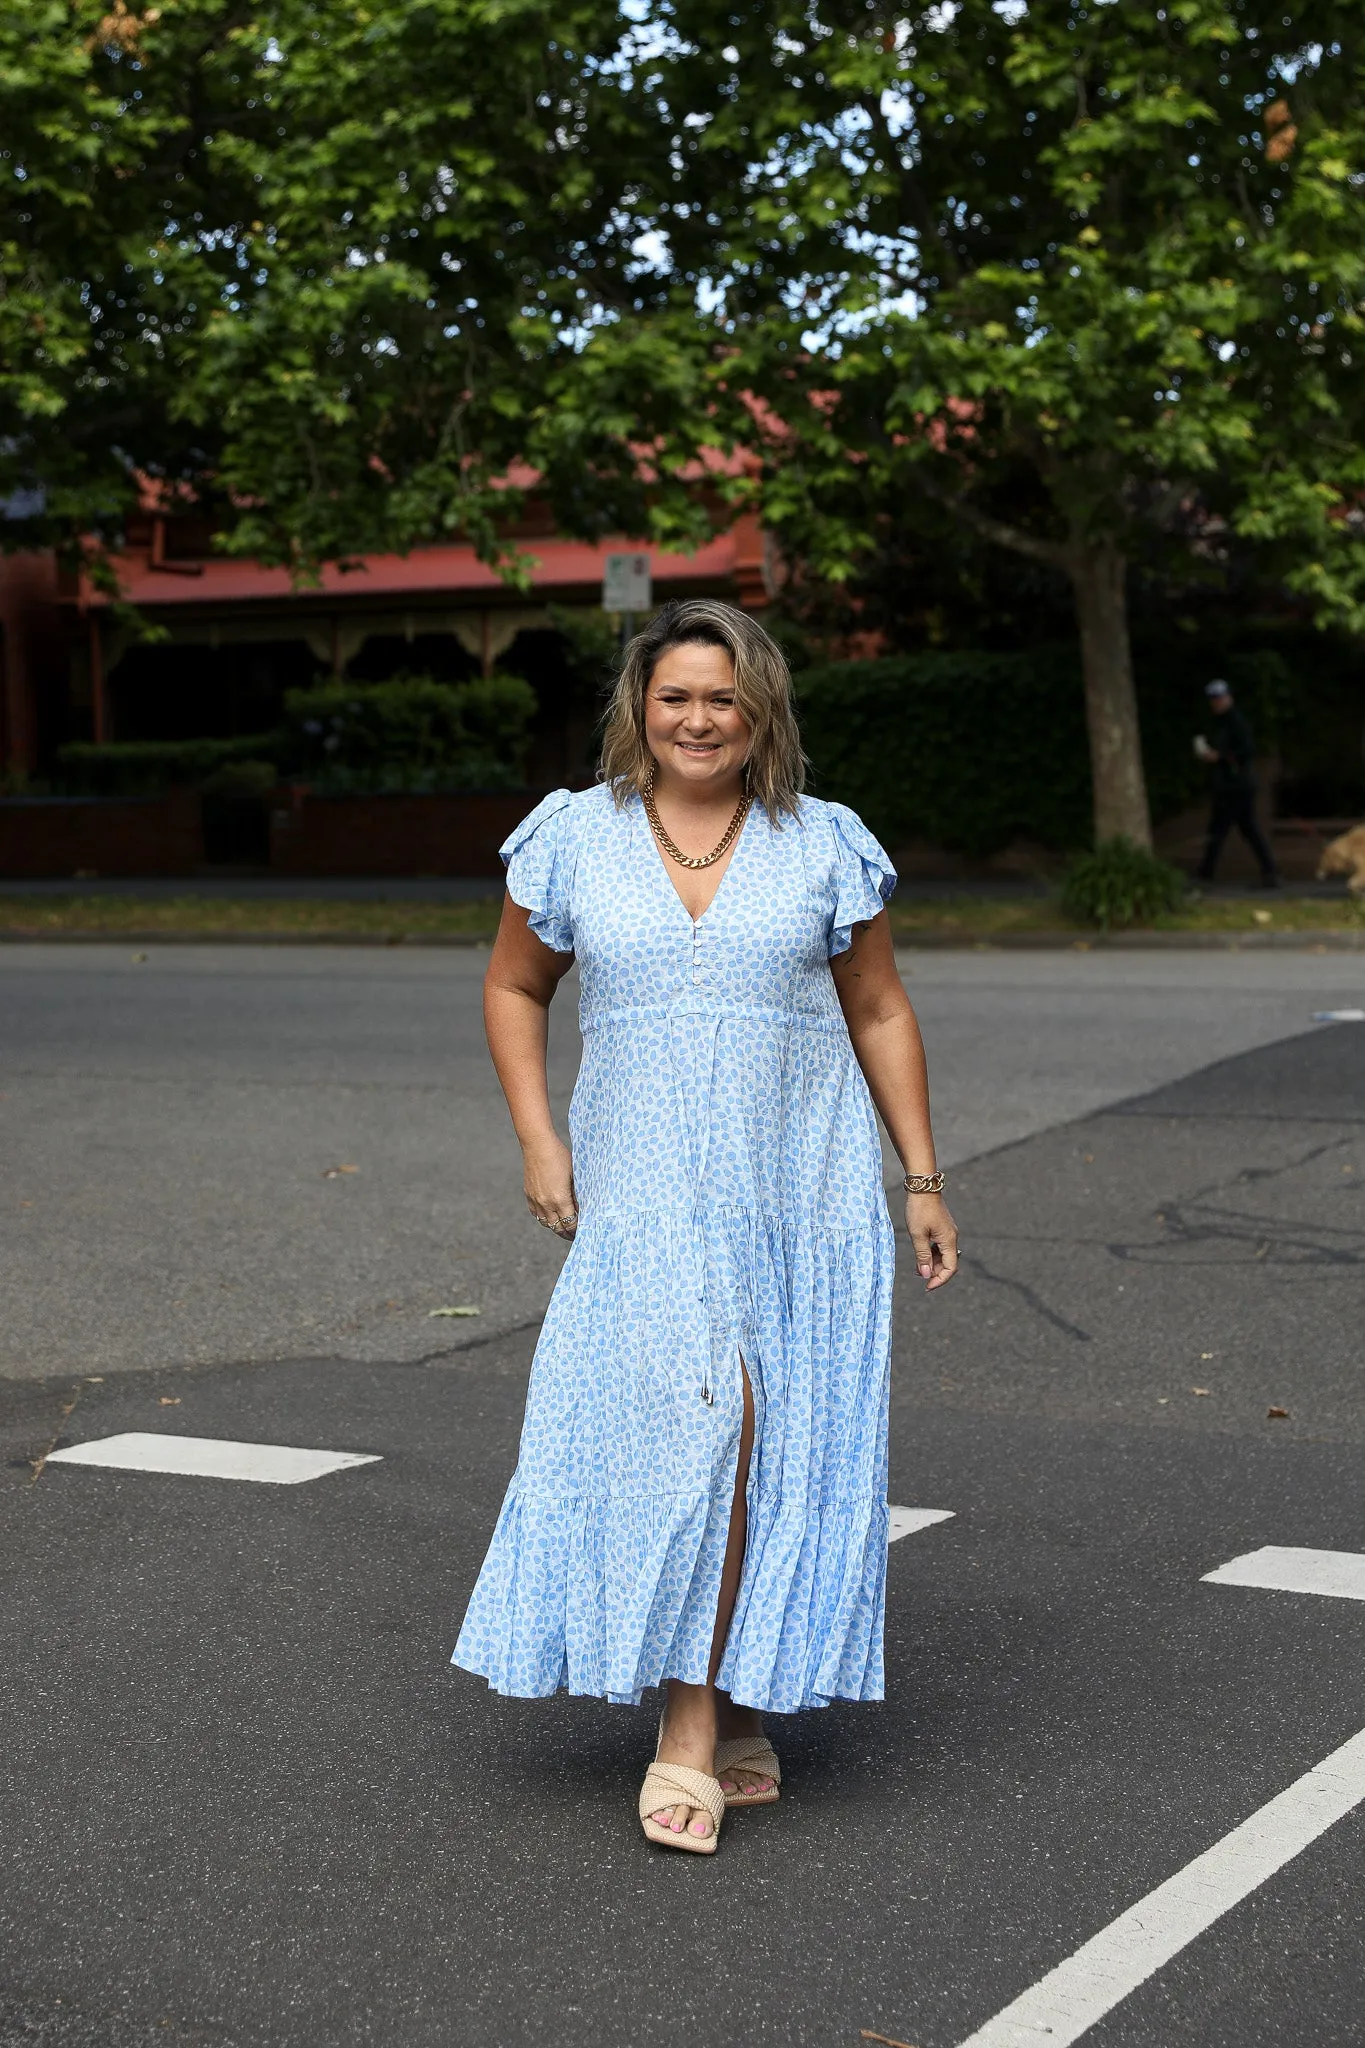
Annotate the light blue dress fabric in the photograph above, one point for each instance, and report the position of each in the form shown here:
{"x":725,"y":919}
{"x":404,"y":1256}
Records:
{"x":729,"y":1180}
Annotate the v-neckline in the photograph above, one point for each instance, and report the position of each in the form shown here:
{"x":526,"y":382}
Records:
{"x":661,"y":861}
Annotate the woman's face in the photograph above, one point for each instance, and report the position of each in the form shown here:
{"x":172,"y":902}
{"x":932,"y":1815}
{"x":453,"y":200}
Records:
{"x":692,"y":726}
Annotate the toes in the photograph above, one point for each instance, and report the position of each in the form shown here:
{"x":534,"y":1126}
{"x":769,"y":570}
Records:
{"x":749,"y":1783}
{"x":679,"y":1820}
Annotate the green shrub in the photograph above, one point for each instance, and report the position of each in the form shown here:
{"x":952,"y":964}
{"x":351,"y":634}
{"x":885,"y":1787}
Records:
{"x":968,"y":749}
{"x":239,"y":780}
{"x":411,"y":734}
{"x":149,"y":767}
{"x":972,"y":748}
{"x":1120,"y":884}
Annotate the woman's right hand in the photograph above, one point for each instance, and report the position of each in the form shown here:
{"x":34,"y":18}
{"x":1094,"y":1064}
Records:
{"x":548,"y":1181}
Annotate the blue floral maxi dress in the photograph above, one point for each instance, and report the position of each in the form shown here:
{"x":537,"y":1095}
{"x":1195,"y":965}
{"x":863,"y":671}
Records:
{"x":729,"y":1181}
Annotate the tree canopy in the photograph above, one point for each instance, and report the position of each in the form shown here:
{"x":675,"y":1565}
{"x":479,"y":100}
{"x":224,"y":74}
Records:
{"x":1087,"y":278}
{"x":312,"y":259}
{"x":1084,"y":278}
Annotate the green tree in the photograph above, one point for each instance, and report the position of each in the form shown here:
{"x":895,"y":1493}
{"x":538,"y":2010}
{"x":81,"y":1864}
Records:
{"x":314,"y":261}
{"x":1085,"y":278}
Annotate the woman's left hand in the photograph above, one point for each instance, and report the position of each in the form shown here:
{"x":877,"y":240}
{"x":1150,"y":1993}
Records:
{"x":933,"y":1234}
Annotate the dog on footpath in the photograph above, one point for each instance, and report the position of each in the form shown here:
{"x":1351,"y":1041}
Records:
{"x":1346,"y":856}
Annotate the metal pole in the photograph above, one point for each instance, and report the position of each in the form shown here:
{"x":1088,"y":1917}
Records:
{"x":99,"y":708}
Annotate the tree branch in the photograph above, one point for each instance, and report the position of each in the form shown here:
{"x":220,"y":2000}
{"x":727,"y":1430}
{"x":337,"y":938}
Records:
{"x":1055,"y":553}
{"x":913,"y":195}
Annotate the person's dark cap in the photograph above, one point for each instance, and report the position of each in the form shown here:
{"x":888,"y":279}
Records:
{"x":1217,"y":688}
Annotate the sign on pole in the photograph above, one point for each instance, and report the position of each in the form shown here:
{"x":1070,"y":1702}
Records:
{"x":625,"y":583}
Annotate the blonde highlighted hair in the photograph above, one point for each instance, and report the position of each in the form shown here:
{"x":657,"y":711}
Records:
{"x":776,"y":766}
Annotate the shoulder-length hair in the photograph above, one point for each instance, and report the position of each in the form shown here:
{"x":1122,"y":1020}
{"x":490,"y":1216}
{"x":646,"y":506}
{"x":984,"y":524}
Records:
{"x":776,"y":766}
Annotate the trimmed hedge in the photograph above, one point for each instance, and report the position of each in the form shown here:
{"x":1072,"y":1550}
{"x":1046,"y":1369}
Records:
{"x":969,"y":750}
{"x":972,"y":749}
{"x":346,"y":738}
{"x":411,"y":734}
{"x":149,"y":767}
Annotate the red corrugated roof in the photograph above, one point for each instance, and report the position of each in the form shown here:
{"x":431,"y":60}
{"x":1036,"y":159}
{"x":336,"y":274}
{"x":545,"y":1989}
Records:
{"x":565,"y":565}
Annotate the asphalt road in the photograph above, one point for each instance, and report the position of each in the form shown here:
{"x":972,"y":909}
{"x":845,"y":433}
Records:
{"x":249,"y":1803}
{"x":167,"y":1123}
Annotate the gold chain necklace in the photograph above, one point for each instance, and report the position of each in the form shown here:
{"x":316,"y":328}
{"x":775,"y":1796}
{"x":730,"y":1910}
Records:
{"x":675,"y":852}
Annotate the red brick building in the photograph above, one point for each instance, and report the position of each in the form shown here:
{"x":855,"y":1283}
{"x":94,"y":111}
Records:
{"x":234,"y":635}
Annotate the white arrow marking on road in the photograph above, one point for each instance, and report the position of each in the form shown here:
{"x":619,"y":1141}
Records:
{"x":1070,"y":1999}
{"x":905,"y":1521}
{"x":1338,"y":1573}
{"x":209,"y":1457}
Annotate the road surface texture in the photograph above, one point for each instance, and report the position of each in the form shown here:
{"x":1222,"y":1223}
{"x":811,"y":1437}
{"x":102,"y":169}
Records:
{"x":248,"y":1803}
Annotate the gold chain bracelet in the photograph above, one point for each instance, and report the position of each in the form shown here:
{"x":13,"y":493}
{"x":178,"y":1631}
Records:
{"x":924,"y":1183}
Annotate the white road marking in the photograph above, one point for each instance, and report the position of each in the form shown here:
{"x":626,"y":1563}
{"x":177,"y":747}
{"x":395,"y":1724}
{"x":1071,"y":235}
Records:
{"x":905,"y":1521}
{"x":1339,"y":1016}
{"x":209,"y":1457}
{"x":1338,"y":1573}
{"x":1070,"y":1999}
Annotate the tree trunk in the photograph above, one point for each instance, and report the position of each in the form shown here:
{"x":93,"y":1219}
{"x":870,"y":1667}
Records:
{"x":1099,"y":578}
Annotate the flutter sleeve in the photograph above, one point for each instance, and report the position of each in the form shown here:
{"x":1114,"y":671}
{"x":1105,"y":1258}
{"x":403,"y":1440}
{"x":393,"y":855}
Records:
{"x":538,"y":860}
{"x":864,"y":878}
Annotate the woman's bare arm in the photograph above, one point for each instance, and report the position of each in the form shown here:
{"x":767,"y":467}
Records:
{"x":887,"y":1044}
{"x":518,"y":988}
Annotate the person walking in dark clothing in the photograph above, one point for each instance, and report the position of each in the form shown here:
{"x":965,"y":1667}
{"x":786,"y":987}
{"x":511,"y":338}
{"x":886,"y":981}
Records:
{"x":1234,"y":786}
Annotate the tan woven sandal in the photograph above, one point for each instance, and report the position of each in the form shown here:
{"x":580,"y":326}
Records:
{"x":751,"y":1753}
{"x":676,"y":1785}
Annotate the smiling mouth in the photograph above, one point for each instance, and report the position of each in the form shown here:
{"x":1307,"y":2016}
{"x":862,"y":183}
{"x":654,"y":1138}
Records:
{"x":699,"y":746}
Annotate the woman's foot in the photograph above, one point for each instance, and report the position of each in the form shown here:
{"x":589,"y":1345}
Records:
{"x":687,"y":1736}
{"x":731,"y":1723}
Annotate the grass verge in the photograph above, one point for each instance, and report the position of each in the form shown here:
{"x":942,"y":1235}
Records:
{"x":977,"y":918}
{"x":235,"y":917}
{"x":969,"y":919}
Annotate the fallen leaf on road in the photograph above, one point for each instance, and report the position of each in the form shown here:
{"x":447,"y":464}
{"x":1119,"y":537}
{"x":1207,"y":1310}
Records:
{"x":94,"y":1379}
{"x":885,"y":2039}
{"x":454,"y":1311}
{"x":1163,"y":1400}
{"x":1206,"y":1354}
{"x":139,"y":956}
{"x":1277,"y":1415}
{"x":1201,"y":1390}
{"x":331,"y":1172}
{"x":170,"y":1400}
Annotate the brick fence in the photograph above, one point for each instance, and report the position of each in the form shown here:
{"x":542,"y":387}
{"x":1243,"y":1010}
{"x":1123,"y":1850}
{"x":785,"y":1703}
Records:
{"x":54,"y":836}
{"x":456,"y":834}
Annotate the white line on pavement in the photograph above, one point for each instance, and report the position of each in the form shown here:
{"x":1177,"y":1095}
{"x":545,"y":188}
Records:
{"x":209,"y":1457}
{"x":1338,"y":1573}
{"x":905,"y":1521}
{"x":1070,"y":1999}
{"x":1339,"y":1016}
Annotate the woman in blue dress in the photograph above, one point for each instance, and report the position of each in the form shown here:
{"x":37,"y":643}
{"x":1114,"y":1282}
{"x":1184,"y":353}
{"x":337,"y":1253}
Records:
{"x":700,"y":1497}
